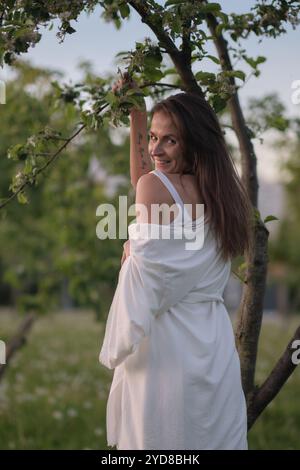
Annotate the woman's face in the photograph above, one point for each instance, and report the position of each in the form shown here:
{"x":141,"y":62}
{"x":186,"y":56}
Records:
{"x":164,"y":145}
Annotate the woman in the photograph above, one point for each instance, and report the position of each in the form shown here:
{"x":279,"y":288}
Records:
{"x":177,"y":379}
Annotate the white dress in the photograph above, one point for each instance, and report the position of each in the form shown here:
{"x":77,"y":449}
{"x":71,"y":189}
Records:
{"x":177,"y":379}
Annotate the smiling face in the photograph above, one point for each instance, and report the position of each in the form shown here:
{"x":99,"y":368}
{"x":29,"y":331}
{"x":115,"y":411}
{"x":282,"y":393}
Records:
{"x":165,"y":148}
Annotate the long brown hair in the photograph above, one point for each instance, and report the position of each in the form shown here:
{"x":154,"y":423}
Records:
{"x":227,"y":205}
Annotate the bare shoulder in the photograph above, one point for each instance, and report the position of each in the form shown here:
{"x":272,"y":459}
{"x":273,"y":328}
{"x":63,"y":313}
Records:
{"x":149,"y":187}
{"x":150,"y":190}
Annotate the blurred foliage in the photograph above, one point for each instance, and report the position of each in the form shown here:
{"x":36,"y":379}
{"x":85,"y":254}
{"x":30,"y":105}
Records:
{"x":51,"y":242}
{"x":285,"y":248}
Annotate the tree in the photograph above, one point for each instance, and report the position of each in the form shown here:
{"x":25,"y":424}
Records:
{"x":194,"y":23}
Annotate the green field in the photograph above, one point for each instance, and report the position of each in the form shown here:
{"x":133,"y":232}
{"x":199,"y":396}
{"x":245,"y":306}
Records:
{"x":54,"y":393}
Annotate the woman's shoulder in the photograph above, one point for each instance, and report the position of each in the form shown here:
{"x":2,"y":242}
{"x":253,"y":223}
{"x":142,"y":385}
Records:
{"x":150,"y":190}
{"x":150,"y":187}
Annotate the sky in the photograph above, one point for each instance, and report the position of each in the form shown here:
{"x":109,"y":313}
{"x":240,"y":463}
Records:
{"x":99,"y":42}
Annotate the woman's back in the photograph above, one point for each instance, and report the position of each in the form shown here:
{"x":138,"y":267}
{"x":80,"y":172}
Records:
{"x":181,"y":190}
{"x":186,"y":186}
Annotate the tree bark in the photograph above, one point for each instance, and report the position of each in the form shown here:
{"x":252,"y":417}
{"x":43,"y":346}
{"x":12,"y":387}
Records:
{"x":17,"y":341}
{"x":250,"y":312}
{"x":251,"y":308}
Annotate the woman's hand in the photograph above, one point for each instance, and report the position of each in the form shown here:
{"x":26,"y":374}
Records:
{"x":126,"y":251}
{"x":124,"y":81}
{"x":127,"y":82}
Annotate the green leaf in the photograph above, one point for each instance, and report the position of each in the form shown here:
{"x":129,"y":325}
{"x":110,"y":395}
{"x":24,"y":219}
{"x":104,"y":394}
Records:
{"x":119,"y":54}
{"x":205,"y":77}
{"x":22,"y":198}
{"x":254,"y":62}
{"x":250,"y":61}
{"x":240,"y":74}
{"x":111,"y":98}
{"x":213,"y":58}
{"x":278,"y":122}
{"x":170,"y":71}
{"x":243,"y":266}
{"x":124,"y":10}
{"x":174,"y":2}
{"x":219,"y":29}
{"x":27,"y":167}
{"x":256,"y":214}
{"x":260,"y":59}
{"x":153,"y":74}
{"x":70,"y":30}
{"x":210,"y":8}
{"x":269,"y":218}
{"x":224,"y":17}
{"x":218,"y":103}
{"x":117,"y":23}
{"x":17,"y":152}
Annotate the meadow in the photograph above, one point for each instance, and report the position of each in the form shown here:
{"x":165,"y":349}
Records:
{"x":53,"y":394}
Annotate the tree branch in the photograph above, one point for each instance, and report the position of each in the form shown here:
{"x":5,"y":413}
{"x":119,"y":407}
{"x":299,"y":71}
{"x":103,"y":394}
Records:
{"x":263,"y":395}
{"x":170,"y":85}
{"x":180,"y":61}
{"x":249,"y":161}
{"x":186,"y":42}
{"x":42,"y":168}
{"x":17,"y":341}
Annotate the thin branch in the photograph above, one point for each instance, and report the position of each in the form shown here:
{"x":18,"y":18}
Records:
{"x":170,"y":85}
{"x":249,"y":173}
{"x":239,"y":277}
{"x":17,"y":341}
{"x":50,"y":161}
{"x":186,"y":42}
{"x":42,"y":168}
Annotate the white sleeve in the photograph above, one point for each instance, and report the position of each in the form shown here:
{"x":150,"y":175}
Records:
{"x":151,"y":280}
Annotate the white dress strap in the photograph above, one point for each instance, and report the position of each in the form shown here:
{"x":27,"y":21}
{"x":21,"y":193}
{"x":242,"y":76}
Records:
{"x":165,"y":180}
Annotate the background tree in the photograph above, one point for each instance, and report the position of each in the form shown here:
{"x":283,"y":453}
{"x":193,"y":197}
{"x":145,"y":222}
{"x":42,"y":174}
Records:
{"x":194,"y":24}
{"x":51,"y":241}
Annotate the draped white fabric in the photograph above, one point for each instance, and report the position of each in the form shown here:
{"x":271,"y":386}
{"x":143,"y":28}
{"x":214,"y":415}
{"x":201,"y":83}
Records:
{"x":177,"y":382}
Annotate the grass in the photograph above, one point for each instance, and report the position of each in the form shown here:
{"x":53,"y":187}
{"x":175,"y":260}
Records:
{"x":278,"y":427}
{"x":54,"y":392}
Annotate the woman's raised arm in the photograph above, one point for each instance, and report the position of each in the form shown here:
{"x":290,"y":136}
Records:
{"x":140,"y":161}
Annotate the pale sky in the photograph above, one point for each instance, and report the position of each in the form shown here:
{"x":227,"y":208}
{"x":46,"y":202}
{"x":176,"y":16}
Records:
{"x":99,"y":42}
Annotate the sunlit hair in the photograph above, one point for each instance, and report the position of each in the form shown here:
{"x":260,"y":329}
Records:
{"x":227,"y":205}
